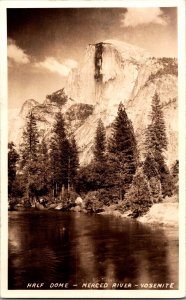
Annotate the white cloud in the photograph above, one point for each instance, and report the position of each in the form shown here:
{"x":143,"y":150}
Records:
{"x":138,"y":16}
{"x":16,"y":54}
{"x":71,"y":63}
{"x":51,"y":64}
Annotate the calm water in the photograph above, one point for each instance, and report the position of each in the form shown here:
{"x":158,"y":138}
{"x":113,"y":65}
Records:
{"x":77,"y":249}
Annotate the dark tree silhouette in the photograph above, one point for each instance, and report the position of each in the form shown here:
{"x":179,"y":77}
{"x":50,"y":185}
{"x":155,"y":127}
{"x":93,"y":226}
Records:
{"x":13,"y":157}
{"x":122,"y":152}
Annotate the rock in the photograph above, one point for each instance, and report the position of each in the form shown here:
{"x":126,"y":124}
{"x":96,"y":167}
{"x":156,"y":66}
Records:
{"x":59,"y":206}
{"x":76,"y":208}
{"x":79,"y":201}
{"x":135,"y":214}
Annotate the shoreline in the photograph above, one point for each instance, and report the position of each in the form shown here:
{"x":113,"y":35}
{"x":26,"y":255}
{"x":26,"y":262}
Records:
{"x":162,"y":214}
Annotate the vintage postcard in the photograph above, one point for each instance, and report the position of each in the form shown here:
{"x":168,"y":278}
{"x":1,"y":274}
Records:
{"x":92,"y":149}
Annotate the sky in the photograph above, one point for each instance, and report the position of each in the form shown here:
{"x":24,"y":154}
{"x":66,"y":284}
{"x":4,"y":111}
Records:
{"x":45,"y":44}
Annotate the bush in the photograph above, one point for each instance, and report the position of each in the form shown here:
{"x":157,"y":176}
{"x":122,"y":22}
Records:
{"x":138,"y":196}
{"x":97,"y":200}
{"x":92,"y":202}
{"x":68,"y":199}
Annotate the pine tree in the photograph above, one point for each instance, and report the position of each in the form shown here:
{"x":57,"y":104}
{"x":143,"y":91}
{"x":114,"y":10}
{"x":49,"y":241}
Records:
{"x":73,"y":163}
{"x":59,"y":155}
{"x":156,"y":133}
{"x":138,"y":195}
{"x":100,"y":143}
{"x":55,"y":169}
{"x":29,"y":147}
{"x":150,"y":166}
{"x":175,"y":176}
{"x":122,"y":152}
{"x":156,"y":143}
{"x":175,"y":170}
{"x":151,"y":170}
{"x":99,"y":162}
{"x":43,"y":175}
{"x":29,"y":155}
{"x":13,"y":157}
{"x":166,"y":180}
{"x":155,"y":189}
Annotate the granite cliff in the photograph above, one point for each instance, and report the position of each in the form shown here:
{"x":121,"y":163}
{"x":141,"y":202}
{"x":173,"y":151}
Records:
{"x":112,"y":72}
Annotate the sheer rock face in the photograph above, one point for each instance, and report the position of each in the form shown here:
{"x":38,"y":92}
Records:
{"x":112,"y":72}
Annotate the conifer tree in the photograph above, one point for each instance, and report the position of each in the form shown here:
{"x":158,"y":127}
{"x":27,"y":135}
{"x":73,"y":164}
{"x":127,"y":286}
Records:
{"x":150,"y":166}
{"x":175,"y":170}
{"x":29,"y":146}
{"x":73,"y":163}
{"x":151,"y":170}
{"x":59,"y":155}
{"x":156,"y":143}
{"x":122,"y":152}
{"x":13,"y":157}
{"x":166,"y":180}
{"x":42,"y":184}
{"x":175,"y":176}
{"x":29,"y":155}
{"x":99,"y":163}
{"x":156,"y":133}
{"x":138,"y":194}
{"x":100,"y":142}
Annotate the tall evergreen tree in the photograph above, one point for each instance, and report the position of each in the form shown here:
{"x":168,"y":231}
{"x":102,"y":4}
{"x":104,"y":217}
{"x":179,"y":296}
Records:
{"x":99,"y":163}
{"x":122,"y":152}
{"x":151,"y":170}
{"x":73,"y":163}
{"x":29,"y":155}
{"x":59,"y":155}
{"x":138,"y":195}
{"x":175,"y":176}
{"x":43,"y":175}
{"x":156,"y":133}
{"x":13,"y":157}
{"x":156,"y":143}
{"x":150,"y":166}
{"x":100,"y":142}
{"x":29,"y":146}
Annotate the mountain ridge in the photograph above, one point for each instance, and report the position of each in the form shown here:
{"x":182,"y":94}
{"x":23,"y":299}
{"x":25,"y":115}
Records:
{"x":107,"y":78}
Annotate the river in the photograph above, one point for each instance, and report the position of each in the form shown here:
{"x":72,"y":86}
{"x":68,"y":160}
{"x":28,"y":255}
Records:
{"x":56,"y":248}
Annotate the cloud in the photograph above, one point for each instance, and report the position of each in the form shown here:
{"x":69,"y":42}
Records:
{"x":51,"y":64}
{"x":71,"y":63}
{"x":137,"y":16}
{"x":16,"y":54}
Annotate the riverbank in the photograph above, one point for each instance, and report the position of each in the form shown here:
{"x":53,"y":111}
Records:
{"x":164,"y":213}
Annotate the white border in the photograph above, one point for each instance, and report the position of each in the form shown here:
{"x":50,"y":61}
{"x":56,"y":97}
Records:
{"x":180,"y":4}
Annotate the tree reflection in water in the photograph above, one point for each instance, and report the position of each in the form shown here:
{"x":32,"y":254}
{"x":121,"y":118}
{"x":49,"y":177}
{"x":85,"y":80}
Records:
{"x":78,"y":248}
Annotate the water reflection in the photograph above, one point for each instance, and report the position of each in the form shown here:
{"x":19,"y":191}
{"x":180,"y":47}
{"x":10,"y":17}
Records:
{"x":76,"y":248}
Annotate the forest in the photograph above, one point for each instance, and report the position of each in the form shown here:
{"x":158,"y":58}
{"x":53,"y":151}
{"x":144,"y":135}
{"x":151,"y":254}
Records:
{"x":47,"y":171}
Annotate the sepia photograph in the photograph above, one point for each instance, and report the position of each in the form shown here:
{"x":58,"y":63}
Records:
{"x":95,"y":201}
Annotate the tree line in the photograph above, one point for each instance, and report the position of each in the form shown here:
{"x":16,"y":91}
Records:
{"x":44,"y":167}
{"x":116,"y":174}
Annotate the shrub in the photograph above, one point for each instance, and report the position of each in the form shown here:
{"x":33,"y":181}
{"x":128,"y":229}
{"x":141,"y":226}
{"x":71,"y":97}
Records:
{"x":92,"y":202}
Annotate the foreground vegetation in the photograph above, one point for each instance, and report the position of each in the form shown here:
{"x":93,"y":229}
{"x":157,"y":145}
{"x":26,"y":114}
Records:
{"x":46,"y":173}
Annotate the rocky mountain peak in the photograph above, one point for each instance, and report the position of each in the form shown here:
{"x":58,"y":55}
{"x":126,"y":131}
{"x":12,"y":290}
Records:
{"x":27,"y":106}
{"x":129,"y":51}
{"x":112,"y":72}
